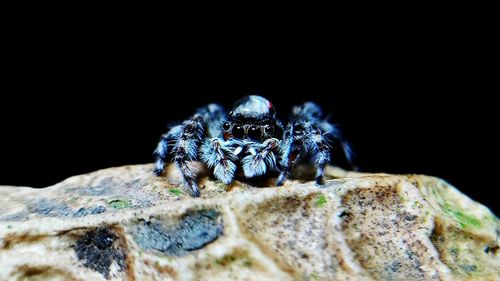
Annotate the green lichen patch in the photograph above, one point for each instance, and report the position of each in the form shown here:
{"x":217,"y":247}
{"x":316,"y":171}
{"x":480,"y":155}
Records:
{"x":175,"y":191}
{"x":237,"y":258}
{"x":468,"y":268}
{"x":220,"y":185}
{"x":454,"y":251}
{"x":314,"y":276}
{"x":463,"y":252}
{"x":247,"y":263}
{"x":463,"y":219}
{"x":225,"y":260}
{"x":320,"y":200}
{"x":119,"y":204}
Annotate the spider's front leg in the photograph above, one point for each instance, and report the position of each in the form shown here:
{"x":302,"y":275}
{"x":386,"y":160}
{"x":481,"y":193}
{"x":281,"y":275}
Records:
{"x":186,"y":139}
{"x":186,"y":149}
{"x":302,"y":138}
{"x":161,"y":152}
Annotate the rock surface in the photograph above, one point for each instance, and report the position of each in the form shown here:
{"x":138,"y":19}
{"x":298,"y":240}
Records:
{"x":126,"y":224}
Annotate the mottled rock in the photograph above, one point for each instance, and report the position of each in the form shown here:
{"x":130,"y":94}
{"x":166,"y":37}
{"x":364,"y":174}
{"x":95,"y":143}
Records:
{"x":126,"y":224}
{"x":192,"y":231}
{"x":97,"y":250}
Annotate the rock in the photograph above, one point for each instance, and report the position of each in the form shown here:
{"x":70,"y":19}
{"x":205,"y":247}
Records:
{"x":126,"y":224}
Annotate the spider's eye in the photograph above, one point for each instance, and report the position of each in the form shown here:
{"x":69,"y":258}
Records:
{"x":238,"y":132}
{"x":254,"y":133}
{"x":226,"y":126}
{"x":269,"y":130}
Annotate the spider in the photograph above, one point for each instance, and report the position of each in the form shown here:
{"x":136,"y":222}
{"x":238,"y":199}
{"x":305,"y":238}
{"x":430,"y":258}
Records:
{"x":251,"y":140}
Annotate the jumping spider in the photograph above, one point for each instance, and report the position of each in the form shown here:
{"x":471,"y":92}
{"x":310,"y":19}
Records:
{"x":251,"y":139}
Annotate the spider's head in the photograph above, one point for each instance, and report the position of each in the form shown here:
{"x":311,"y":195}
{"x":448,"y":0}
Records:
{"x":252,"y":117}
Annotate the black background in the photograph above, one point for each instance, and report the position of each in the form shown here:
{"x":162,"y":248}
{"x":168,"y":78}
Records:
{"x":424,"y":109}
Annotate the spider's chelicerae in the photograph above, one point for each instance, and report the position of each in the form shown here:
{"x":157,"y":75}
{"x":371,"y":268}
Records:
{"x":250,"y":140}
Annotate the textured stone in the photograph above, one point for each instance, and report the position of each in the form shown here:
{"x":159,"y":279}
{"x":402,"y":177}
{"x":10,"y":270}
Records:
{"x":126,"y":224}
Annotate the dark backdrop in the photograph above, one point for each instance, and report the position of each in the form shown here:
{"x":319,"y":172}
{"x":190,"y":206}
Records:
{"x":403,"y":112}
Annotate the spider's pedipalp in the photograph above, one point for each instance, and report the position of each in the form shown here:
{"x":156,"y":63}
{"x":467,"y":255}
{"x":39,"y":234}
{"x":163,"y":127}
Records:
{"x":216,"y":154}
{"x":258,"y":163}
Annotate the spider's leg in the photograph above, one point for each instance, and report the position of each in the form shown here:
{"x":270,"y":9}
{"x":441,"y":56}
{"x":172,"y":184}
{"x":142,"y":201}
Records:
{"x":308,"y":133}
{"x":293,"y":148}
{"x":186,"y":149}
{"x":312,"y":112}
{"x":213,"y":115}
{"x":302,"y":138}
{"x":216,"y":154}
{"x":260,"y":159}
{"x":321,"y":153}
{"x":161,"y":151}
{"x":332,"y":132}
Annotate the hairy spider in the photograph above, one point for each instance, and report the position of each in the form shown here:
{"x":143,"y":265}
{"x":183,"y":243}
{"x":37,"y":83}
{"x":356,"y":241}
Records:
{"x":251,"y":139}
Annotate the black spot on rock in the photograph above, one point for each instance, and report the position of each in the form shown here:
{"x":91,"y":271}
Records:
{"x":391,"y":271}
{"x":468,"y":268}
{"x":409,"y":217}
{"x":50,"y":208}
{"x":15,"y":216}
{"x":95,"y":191}
{"x":192,"y":231}
{"x":491,"y":250}
{"x":97,"y":249}
{"x":343,"y":214}
{"x":104,"y":187}
{"x":395,"y":266}
{"x":82,"y":212}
